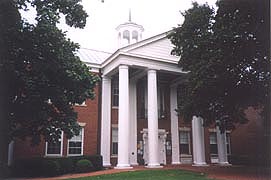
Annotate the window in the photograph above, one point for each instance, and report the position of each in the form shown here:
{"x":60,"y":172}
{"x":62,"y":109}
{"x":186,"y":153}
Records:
{"x":115,"y":94}
{"x":75,"y":144}
{"x":161,"y":102}
{"x":185,"y":142}
{"x":213,"y":143}
{"x":142,"y":101}
{"x":82,"y":104}
{"x":228,"y":142}
{"x":54,"y":148}
{"x":114,"y":141}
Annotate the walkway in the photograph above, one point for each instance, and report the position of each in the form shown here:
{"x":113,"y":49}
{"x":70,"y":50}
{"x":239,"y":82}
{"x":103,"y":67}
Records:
{"x":216,"y":172}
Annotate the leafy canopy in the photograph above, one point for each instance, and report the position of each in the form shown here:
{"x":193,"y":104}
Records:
{"x":228,"y":59}
{"x":43,"y":76}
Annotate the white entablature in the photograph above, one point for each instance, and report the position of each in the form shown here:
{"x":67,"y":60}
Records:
{"x":151,"y":53}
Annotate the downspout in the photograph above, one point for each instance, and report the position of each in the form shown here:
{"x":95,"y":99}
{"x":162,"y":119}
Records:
{"x":99,"y":114}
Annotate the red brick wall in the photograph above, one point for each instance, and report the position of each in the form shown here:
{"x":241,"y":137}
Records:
{"x":89,"y":114}
{"x":86,"y":114}
{"x":247,"y":139}
{"x":24,"y":149}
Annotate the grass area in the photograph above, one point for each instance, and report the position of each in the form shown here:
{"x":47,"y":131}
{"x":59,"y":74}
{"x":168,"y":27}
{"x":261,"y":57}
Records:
{"x":149,"y":175}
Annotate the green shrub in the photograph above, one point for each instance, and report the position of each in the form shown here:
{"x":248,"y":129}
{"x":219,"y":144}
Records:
{"x":39,"y":166}
{"x":83,"y":165}
{"x":97,"y":161}
{"x":66,"y":165}
{"x":50,"y":167}
{"x":4,"y":170}
{"x":27,"y":167}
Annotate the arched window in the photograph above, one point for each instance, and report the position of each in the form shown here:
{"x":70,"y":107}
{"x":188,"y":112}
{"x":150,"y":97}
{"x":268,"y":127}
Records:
{"x":135,"y":36}
{"x":126,"y":36}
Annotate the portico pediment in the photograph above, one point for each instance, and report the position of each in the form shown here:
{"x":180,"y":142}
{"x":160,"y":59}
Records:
{"x":151,"y":53}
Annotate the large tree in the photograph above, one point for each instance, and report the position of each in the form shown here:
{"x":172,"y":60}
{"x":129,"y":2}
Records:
{"x":228,"y":59}
{"x":41,"y":76}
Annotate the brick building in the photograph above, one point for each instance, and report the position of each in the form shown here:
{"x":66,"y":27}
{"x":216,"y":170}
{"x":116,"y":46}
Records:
{"x":132,"y":119}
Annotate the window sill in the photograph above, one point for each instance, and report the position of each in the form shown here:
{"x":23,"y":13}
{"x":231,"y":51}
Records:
{"x":115,"y":107}
{"x":185,"y":155}
{"x":114,"y":156}
{"x":70,"y":155}
{"x":53,"y":155}
{"x":80,"y":105}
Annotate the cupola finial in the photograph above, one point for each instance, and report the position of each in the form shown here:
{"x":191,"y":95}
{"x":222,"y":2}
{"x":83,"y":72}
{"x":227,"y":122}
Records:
{"x":130,"y":16}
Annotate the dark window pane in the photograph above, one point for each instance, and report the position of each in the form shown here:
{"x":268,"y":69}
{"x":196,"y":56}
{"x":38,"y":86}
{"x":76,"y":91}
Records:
{"x":213,"y":148}
{"x":53,"y":148}
{"x":184,"y":148}
{"x":75,"y":147}
{"x":115,"y":148}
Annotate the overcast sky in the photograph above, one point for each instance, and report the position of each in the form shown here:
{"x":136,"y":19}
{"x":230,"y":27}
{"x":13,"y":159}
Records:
{"x":156,"y":16}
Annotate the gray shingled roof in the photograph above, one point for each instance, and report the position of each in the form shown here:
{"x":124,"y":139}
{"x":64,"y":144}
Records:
{"x":92,"y":56}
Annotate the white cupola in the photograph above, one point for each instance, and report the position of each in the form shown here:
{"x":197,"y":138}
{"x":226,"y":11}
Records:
{"x":129,"y":33}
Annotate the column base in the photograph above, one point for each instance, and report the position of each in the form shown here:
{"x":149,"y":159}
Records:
{"x":224,"y":164}
{"x":123,"y":166}
{"x":200,"y":164}
{"x":176,"y":163}
{"x":106,"y":164}
{"x":154,"y":166}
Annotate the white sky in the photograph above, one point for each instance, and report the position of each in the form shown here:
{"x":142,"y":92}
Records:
{"x":156,"y":16}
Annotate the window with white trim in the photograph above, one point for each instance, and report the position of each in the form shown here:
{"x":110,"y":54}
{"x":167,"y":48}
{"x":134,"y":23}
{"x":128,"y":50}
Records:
{"x":228,"y":142}
{"x":142,"y":101}
{"x":213,"y":143}
{"x":114,"y":148}
{"x":161,"y":102}
{"x":75,"y":144}
{"x":115,"y":94}
{"x":54,"y":148}
{"x":82,"y":104}
{"x":185,"y":142}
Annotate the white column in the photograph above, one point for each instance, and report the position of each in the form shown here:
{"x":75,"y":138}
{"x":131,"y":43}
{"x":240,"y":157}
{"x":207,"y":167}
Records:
{"x":124,"y":127}
{"x":10,"y":152}
{"x":153,"y":120}
{"x":198,"y":142}
{"x":221,"y":147}
{"x":133,"y":123}
{"x":174,"y":126}
{"x":106,"y":120}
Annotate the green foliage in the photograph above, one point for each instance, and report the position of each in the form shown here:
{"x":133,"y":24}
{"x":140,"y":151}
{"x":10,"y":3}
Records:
{"x":4,"y":170}
{"x":42,"y":75}
{"x":83,"y":165}
{"x":40,"y":166}
{"x":96,"y":160}
{"x":50,"y":167}
{"x":228,"y":60}
{"x":66,"y":164}
{"x":27,"y":167}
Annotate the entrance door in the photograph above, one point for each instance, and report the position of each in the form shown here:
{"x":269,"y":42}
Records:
{"x":162,"y":149}
{"x":161,"y":145}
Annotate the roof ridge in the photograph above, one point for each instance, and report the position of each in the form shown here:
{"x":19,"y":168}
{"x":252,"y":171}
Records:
{"x":95,"y":50}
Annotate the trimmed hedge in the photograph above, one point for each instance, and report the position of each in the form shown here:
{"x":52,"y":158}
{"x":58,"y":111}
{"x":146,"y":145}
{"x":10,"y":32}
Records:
{"x":96,"y":160}
{"x":83,"y":165}
{"x":54,"y":166}
{"x":4,"y":170}
{"x":50,"y":167}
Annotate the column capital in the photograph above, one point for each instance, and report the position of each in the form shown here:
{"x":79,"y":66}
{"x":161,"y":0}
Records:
{"x":123,"y":66}
{"x":152,"y":70}
{"x":106,"y":78}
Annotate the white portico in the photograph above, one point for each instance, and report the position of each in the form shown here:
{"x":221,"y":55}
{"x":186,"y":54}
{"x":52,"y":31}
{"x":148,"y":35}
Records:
{"x":135,"y":79}
{"x":131,"y":64}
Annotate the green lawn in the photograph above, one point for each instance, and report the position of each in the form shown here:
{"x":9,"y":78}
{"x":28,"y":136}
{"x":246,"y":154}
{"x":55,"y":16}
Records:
{"x":149,"y":175}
